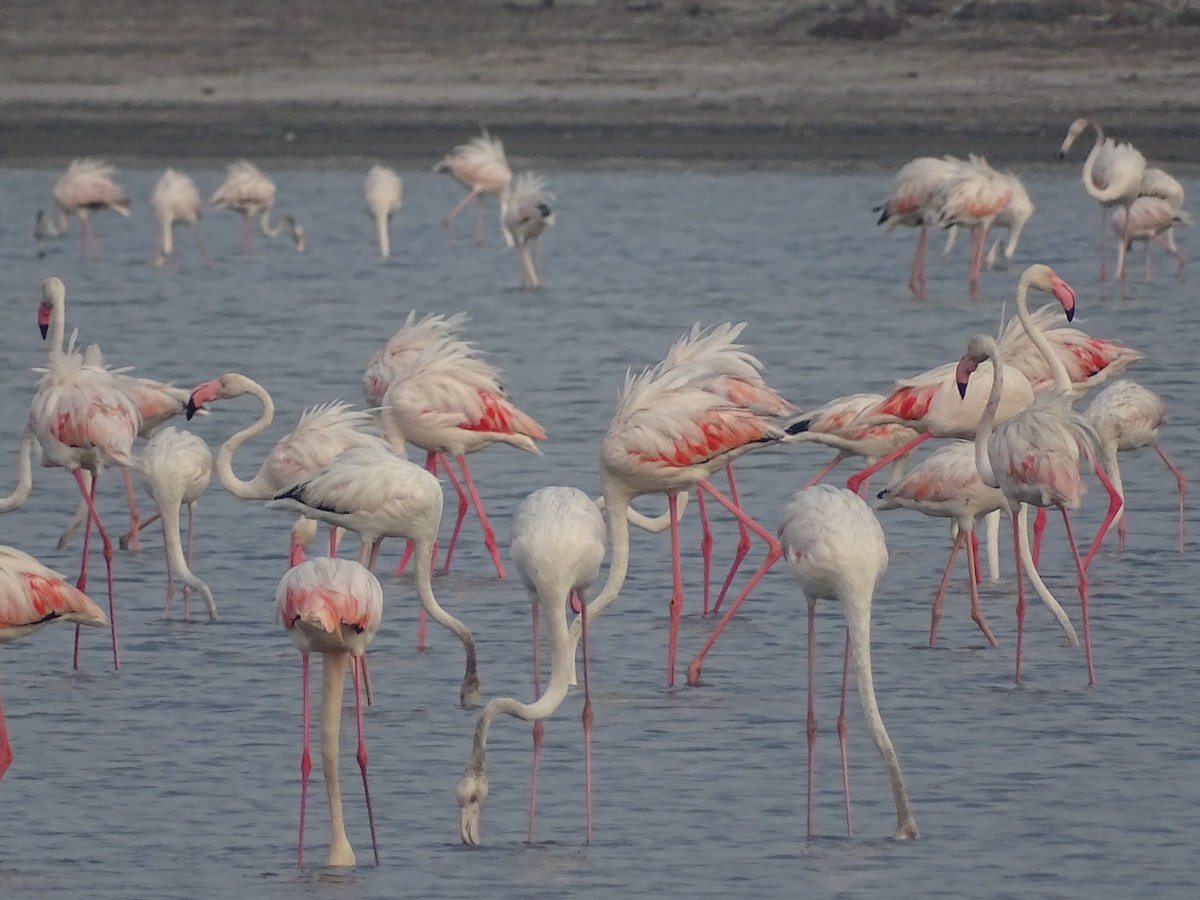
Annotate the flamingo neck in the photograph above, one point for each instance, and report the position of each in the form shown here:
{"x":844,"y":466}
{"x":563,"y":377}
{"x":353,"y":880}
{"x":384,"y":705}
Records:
{"x":616,"y":505}
{"x":258,"y":488}
{"x":390,"y":427}
{"x":1061,"y":379}
{"x":423,"y":560}
{"x":24,"y":476}
{"x":58,"y":326}
{"x":983,"y":431}
{"x":1108,"y":195}
{"x":264,"y":222}
{"x":381,"y":227}
{"x":332,"y":686}
{"x":168,"y":507}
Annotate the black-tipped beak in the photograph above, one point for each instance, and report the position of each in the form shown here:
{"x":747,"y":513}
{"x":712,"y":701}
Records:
{"x":191,"y":408}
{"x":962,"y":390}
{"x":881,"y":494}
{"x":1060,"y":155}
{"x":44,"y":329}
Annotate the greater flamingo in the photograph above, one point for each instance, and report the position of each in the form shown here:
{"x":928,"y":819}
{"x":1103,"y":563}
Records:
{"x":87,"y":187}
{"x":251,"y":194}
{"x":558,"y":545}
{"x":402,"y":349}
{"x":1112,"y":176}
{"x":377,"y":494}
{"x":973,"y":196}
{"x":31,"y":597}
{"x":321,"y":434}
{"x":837,"y":551}
{"x":177,"y":466}
{"x":83,"y":420}
{"x":524,"y":214}
{"x":1016,"y":212}
{"x":1149,"y":219}
{"x":906,"y":205}
{"x":481,"y":167}
{"x":333,"y":606}
{"x":383,"y":193}
{"x":1127,"y":417}
{"x":176,"y":201}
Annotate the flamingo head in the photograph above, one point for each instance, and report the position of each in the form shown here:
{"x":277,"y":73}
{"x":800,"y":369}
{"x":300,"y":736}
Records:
{"x":1043,"y":278}
{"x":471,"y":793}
{"x":978,"y":350}
{"x":206,"y":393}
{"x":44,"y":311}
{"x":54,"y":296}
{"x":1073,"y":132}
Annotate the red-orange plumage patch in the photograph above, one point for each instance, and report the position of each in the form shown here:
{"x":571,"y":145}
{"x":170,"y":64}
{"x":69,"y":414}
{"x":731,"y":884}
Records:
{"x":908,"y":403}
{"x":49,"y":595}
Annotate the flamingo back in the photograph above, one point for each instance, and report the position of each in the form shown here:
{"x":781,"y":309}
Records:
{"x":833,"y":542}
{"x":330,"y":605}
{"x":323,"y":432}
{"x":479,"y":163}
{"x":1128,"y":414}
{"x":245,"y":186}
{"x":558,"y":539}
{"x":32,"y":595}
{"x":405,"y":347}
{"x":946,"y":484}
{"x":89,"y":184}
{"x":911,"y":189}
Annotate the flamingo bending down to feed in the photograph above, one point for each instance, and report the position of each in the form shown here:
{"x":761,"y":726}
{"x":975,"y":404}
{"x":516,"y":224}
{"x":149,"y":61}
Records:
{"x":837,"y":551}
{"x":1127,"y":417}
{"x":251,"y":194}
{"x":906,"y":205}
{"x":24,"y":487}
{"x":87,"y":187}
{"x":393,"y":360}
{"x":177,"y":466}
{"x":333,"y":606}
{"x":383,"y":193}
{"x":558,"y":545}
{"x":31,"y":597}
{"x":1159,"y":185}
{"x":1016,"y":212}
{"x":377,"y":494}
{"x":1149,"y":219}
{"x":972,"y":197}
{"x":83,"y":420}
{"x":524,"y":214}
{"x":176,"y":201}
{"x":321,"y":434}
{"x":481,"y":167}
{"x":1112,"y":175}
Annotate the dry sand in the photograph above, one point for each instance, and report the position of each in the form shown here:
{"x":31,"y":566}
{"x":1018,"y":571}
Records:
{"x":583,"y":81}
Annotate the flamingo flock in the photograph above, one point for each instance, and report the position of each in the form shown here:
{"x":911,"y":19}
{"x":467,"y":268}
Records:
{"x":1004,"y":407}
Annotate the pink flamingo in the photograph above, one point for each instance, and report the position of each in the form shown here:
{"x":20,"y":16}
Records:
{"x":1033,"y":457}
{"x":83,"y":420}
{"x":481,"y":167}
{"x":837,"y":551}
{"x":391,"y":361}
{"x":333,"y":606}
{"x":176,"y":201}
{"x":383,"y":193}
{"x":524,"y":214}
{"x":31,"y":597}
{"x":1149,"y":219}
{"x":972,"y":197}
{"x":377,"y":494}
{"x":1127,"y":416}
{"x":87,"y":187}
{"x":247,"y":191}
{"x":1016,"y":212}
{"x":1112,"y":175}
{"x":451,"y":402}
{"x":907,"y":202}
{"x":558,"y":545}
{"x":321,"y":434}
{"x":177,"y":466}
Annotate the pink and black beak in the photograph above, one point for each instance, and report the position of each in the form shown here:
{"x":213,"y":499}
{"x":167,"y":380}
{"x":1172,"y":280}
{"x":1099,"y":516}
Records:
{"x":193,"y":406}
{"x":44,"y":312}
{"x":962,"y":374}
{"x":1064,"y":294}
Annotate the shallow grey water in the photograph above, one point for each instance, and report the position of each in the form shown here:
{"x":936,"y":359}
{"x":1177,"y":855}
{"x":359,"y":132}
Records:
{"x":177,"y":776}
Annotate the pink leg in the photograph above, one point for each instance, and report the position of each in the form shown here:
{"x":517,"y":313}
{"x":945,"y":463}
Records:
{"x":133,"y":513}
{"x":5,"y":747}
{"x":1125,"y":242}
{"x":588,"y":718}
{"x":91,"y":250}
{"x":675,"y":606}
{"x":125,"y":540}
{"x":1103,"y":222}
{"x":825,"y":471}
{"x":773,"y":553}
{"x":1179,"y":480}
{"x":975,"y":556}
{"x":208,"y":263}
{"x":706,"y":544}
{"x":1114,"y":506}
{"x":479,"y":221}
{"x":489,"y":536}
{"x":539,"y":726}
{"x":1147,"y":273}
{"x":108,"y":555}
{"x":305,"y":765}
{"x":935,"y":615}
{"x":841,"y":732}
{"x":362,"y":756}
{"x":976,"y":610}
{"x":1039,"y":531}
{"x":811,"y":728}
{"x":333,"y":540}
{"x":187,"y":591}
{"x":247,"y":245}
{"x":978,"y":236}
{"x":464,"y":504}
{"x":1020,"y":590}
{"x":743,"y":546}
{"x":854,"y":482}
{"x":916,"y":278}
{"x":448,"y":221}
{"x":1083,"y":599}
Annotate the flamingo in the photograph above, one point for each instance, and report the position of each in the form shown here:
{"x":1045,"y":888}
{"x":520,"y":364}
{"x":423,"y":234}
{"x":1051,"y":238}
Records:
{"x":837,"y":551}
{"x":906,"y":205}
{"x":176,"y":201}
{"x":1127,"y":416}
{"x":1149,"y":219}
{"x":322,"y":433}
{"x":1033,"y":457}
{"x":333,"y":606}
{"x":177,"y":466}
{"x":972,"y":197}
{"x":87,"y":187}
{"x":558,"y":545}
{"x":247,"y":191}
{"x":1016,"y":212}
{"x":83,"y":419}
{"x":481,"y":167}
{"x":377,"y":494}
{"x":524,"y":214}
{"x":392,"y":360}
{"x":1112,"y":175}
{"x":450,"y":401}
{"x":383,"y":193}
{"x":31,"y":597}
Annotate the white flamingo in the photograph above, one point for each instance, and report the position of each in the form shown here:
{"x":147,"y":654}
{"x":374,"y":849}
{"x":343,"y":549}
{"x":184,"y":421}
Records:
{"x":176,"y":201}
{"x":524,"y":215}
{"x":383,"y":193}
{"x":88,"y":186}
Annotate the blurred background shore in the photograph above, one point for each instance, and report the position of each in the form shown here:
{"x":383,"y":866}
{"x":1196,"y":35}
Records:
{"x":589,"y":81}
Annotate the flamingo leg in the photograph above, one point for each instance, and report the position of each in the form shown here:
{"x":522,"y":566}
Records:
{"x":305,"y":764}
{"x":489,"y":536}
{"x":90,"y":249}
{"x":6,"y":755}
{"x":464,"y":504}
{"x":478,"y":219}
{"x":1179,"y":480}
{"x":588,"y":717}
{"x":1018,"y":536}
{"x":133,"y":513}
{"x":706,"y":545}
{"x":208,"y":263}
{"x":1083,"y":597}
{"x":81,"y":581}
{"x":124,"y":540}
{"x":1115,"y":505}
{"x":841,"y":732}
{"x":975,"y":556}
{"x":978,"y":238}
{"x":855,"y":481}
{"x":108,"y":555}
{"x":187,"y":591}
{"x":935,"y":614}
{"x":743,"y":546}
{"x":675,"y":606}
{"x":448,"y":221}
{"x":170,"y":576}
{"x":1125,"y":243}
{"x":811,"y":723}
{"x":976,"y":609}
{"x":247,"y":244}
{"x":1103,"y":222}
{"x":361,"y":755}
{"x":1039,"y":531}
{"x":916,"y":278}
{"x":528,"y":269}
{"x":773,"y":553}
{"x":825,"y":471}
{"x":539,"y":726}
